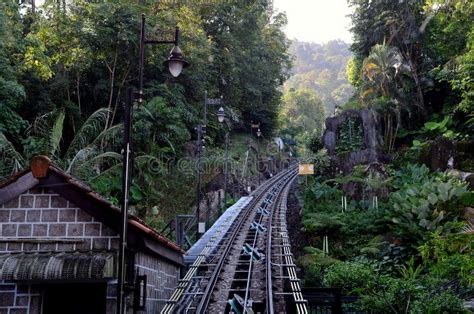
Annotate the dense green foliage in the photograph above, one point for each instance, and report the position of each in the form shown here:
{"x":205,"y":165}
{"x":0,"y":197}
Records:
{"x":301,"y":116}
{"x":404,"y":243}
{"x":65,"y":70}
{"x":415,"y":63}
{"x":394,"y":254}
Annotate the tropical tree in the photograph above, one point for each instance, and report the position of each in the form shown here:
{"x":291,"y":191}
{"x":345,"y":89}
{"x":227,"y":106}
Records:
{"x":396,"y":24}
{"x":379,"y":90}
{"x":89,"y":150}
{"x":12,"y":92}
{"x":379,"y":70}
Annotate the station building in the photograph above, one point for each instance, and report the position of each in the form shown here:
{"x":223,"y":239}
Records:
{"x":59,"y":245}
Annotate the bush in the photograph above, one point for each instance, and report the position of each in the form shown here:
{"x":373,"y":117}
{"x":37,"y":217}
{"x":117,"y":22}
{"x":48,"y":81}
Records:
{"x":314,"y":263}
{"x":320,"y":197}
{"x":445,"y":302}
{"x":390,"y":295}
{"x":353,"y":278}
{"x":430,"y":205}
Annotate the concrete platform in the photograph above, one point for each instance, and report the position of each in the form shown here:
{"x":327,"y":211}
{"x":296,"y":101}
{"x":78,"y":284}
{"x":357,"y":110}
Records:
{"x":218,"y":229}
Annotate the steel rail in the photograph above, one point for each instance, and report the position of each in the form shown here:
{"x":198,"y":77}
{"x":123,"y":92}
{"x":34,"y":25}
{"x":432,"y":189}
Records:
{"x":241,"y":218}
{"x":213,"y":280}
{"x":287,"y":256}
{"x":280,"y":186}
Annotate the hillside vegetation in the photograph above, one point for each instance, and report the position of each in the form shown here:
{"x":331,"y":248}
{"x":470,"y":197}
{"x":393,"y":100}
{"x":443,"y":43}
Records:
{"x":392,"y":223}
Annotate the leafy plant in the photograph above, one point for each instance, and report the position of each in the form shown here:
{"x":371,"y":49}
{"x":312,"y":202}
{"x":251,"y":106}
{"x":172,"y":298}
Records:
{"x":432,"y":205}
{"x":444,"y":302}
{"x":351,"y":136}
{"x":352,"y":278}
{"x":314,"y":262}
{"x":322,"y":223}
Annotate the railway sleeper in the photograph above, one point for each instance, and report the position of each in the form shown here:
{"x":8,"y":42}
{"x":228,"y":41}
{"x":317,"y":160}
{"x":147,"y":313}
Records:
{"x":236,"y":305}
{"x":253,"y":252}
{"x":258,"y":227}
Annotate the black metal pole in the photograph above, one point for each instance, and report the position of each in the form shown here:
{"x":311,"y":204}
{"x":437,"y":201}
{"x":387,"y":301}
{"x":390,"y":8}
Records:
{"x":225,"y":170}
{"x":127,"y":139}
{"x":258,"y":159}
{"x":248,"y":164}
{"x":198,"y":179}
{"x":204,"y":120}
{"x":142,"y":60}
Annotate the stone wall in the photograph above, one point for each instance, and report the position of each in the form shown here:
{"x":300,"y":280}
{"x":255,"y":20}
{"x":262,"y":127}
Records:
{"x":162,"y":278}
{"x":373,"y":140}
{"x":19,"y":299}
{"x":38,"y":215}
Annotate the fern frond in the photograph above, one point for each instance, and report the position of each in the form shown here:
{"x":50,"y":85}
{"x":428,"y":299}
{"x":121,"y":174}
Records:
{"x":56,"y":134}
{"x":108,"y":136}
{"x":80,"y":157}
{"x":90,"y":129}
{"x":468,"y":228}
{"x":11,"y":158}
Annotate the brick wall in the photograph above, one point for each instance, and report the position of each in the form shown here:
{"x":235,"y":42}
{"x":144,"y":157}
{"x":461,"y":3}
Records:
{"x":162,"y":279}
{"x":19,"y":299}
{"x":41,"y":215}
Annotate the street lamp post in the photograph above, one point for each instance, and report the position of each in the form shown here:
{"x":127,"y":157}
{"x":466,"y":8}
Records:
{"x":252,"y":126}
{"x":199,"y":147}
{"x":175,"y":64}
{"x":201,"y":132}
{"x":259,"y":134}
{"x":221,"y":118}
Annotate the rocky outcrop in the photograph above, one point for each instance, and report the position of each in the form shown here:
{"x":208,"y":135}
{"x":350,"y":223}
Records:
{"x":375,"y":184}
{"x":372,"y":140}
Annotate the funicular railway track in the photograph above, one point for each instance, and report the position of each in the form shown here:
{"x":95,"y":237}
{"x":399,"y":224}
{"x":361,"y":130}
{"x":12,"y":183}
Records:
{"x":250,"y":268}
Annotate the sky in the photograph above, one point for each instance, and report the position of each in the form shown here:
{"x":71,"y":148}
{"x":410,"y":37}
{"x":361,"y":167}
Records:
{"x":316,"y":21}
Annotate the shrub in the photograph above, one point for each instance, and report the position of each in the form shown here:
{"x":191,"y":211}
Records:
{"x":314,"y":263}
{"x":445,"y":302}
{"x":353,"y":278}
{"x":431,"y":205}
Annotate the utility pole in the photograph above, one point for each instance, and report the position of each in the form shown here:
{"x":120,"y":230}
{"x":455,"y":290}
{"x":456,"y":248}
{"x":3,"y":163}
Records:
{"x":259,"y":134}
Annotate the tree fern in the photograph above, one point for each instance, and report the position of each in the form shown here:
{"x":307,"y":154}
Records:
{"x":56,"y":134}
{"x":92,"y":128}
{"x":11,"y":160}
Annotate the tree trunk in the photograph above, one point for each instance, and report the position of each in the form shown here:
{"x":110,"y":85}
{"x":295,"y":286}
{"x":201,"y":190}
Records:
{"x":419,"y":92}
{"x":112,"y":85}
{"x":117,"y":98}
{"x":78,"y":91}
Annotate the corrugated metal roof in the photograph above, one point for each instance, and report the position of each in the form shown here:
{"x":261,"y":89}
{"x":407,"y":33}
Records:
{"x":57,"y":266}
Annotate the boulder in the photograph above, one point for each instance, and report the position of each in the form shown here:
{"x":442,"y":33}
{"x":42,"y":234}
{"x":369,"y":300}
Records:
{"x":373,"y":140}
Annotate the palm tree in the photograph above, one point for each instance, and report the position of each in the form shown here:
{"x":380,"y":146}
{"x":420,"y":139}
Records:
{"x":379,"y":90}
{"x":88,"y":151}
{"x":381,"y":67}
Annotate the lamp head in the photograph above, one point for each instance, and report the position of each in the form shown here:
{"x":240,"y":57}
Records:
{"x":176,"y":61}
{"x":221,"y":115}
